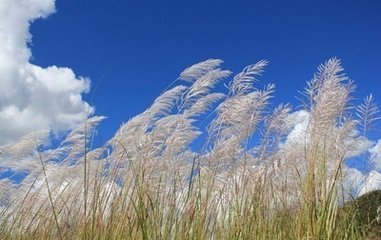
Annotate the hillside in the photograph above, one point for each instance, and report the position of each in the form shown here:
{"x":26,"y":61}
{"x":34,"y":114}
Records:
{"x":368,"y":213}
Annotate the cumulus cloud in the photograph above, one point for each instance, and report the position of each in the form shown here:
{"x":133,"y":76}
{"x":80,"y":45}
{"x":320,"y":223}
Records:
{"x":372,"y":182}
{"x":353,"y":183}
{"x":375,"y":155}
{"x":32,"y":97}
{"x":358,"y":183}
{"x":298,"y":124}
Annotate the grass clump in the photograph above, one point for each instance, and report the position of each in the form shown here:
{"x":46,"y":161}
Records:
{"x":262,"y":172}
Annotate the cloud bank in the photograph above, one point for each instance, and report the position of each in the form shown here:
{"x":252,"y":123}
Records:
{"x":32,"y":97}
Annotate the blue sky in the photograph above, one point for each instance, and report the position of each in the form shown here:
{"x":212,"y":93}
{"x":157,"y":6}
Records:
{"x":132,"y":50}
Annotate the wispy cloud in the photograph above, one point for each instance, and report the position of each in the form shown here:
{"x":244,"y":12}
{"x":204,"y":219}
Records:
{"x":32,"y":97}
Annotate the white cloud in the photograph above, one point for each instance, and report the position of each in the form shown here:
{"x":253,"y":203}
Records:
{"x":357,"y":183}
{"x":353,"y":183}
{"x":373,"y":182}
{"x":32,"y":97}
{"x":298,"y":124}
{"x":375,"y":157}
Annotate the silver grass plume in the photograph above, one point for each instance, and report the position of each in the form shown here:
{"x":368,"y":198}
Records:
{"x":328,"y":138}
{"x":237,"y":118}
{"x":368,"y":114}
{"x":243,"y":81}
{"x":202,"y":86}
{"x":195,"y":71}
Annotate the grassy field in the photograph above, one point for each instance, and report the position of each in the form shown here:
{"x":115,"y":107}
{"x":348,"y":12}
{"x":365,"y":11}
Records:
{"x":261,"y":172}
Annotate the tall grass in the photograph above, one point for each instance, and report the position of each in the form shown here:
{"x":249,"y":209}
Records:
{"x":262,"y":172}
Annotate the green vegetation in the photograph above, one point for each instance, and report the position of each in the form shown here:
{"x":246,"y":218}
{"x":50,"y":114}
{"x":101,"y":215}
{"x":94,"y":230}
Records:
{"x":367,"y":209}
